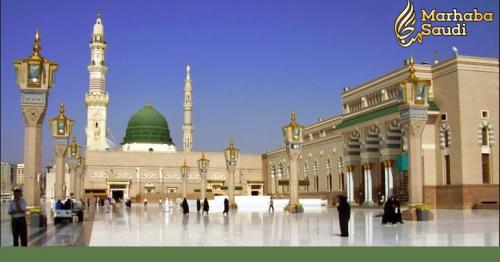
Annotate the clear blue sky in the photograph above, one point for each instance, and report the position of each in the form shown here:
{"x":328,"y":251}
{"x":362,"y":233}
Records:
{"x":252,"y":61}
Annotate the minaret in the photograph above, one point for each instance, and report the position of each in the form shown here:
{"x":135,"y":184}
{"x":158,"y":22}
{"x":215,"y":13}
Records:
{"x":187,"y":128}
{"x":97,"y":97}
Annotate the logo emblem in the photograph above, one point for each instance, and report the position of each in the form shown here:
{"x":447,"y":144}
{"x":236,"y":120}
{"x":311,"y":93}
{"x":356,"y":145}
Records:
{"x":405,"y":26}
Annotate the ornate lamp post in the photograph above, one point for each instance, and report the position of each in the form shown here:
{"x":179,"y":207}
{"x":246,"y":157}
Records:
{"x":35,"y":78}
{"x":293,"y":142}
{"x":232,"y":154}
{"x":203,"y":167}
{"x":61,"y":128}
{"x":413,"y":114}
{"x":73,"y":158}
{"x":184,"y":174}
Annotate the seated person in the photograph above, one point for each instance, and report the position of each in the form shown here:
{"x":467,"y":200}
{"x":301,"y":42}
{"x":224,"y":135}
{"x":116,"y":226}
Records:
{"x":59,"y":204}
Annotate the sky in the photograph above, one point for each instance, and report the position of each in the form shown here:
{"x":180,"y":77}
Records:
{"x":252,"y":62}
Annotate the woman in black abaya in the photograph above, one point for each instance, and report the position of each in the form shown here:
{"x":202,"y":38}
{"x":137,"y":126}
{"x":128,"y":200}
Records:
{"x":388,"y":216}
{"x":344,"y":210}
{"x":185,"y":206}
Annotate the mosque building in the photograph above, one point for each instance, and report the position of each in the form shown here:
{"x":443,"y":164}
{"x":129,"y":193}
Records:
{"x":148,"y":163}
{"x":365,"y":152}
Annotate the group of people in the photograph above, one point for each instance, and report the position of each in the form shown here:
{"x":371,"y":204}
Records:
{"x":392,"y":211}
{"x":204,"y":208}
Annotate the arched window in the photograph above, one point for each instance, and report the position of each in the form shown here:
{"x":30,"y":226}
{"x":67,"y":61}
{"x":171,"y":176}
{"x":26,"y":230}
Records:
{"x":273,"y":170}
{"x":485,"y":136}
{"x":447,"y":138}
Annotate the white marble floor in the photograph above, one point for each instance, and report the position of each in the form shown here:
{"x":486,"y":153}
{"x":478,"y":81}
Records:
{"x":316,"y":227}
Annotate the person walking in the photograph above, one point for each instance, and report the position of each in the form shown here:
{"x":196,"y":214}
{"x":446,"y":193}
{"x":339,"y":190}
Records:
{"x":17,"y":210}
{"x":388,"y":216}
{"x":398,"y":218}
{"x":344,"y":210}
{"x":107,"y":205}
{"x":205,"y":206}
{"x":226,"y":207}
{"x":185,"y":206}
{"x":198,"y":205}
{"x":271,"y":205}
{"x":145,"y":202}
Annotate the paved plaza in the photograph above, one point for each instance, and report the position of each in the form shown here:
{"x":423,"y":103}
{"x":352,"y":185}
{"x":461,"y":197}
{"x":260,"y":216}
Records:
{"x":318,"y":226}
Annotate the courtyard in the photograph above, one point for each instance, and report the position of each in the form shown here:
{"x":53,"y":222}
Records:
{"x":318,"y":226}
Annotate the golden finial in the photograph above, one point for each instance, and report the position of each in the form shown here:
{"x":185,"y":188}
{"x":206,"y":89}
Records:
{"x":148,"y":104}
{"x":61,"y":108}
{"x":73,"y":141}
{"x":36,"y":45}
{"x":61,"y":111}
{"x":412,"y":69}
{"x":294,"y":117}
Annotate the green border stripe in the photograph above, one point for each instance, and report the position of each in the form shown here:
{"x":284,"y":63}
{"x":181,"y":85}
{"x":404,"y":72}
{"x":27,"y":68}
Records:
{"x":138,"y":254}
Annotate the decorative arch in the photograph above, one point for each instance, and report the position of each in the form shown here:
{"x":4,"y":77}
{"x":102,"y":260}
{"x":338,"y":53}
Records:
{"x":444,"y":136}
{"x":486,"y":134}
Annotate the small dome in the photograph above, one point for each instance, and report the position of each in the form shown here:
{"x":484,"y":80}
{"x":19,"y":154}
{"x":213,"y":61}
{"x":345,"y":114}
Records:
{"x":147,"y":126}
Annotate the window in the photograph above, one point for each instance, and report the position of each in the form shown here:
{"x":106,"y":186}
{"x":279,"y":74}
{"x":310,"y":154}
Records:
{"x":484,"y":114}
{"x":446,"y":138}
{"x":484,"y":136}
{"x":315,"y":168}
{"x":447,"y":169}
{"x":444,"y":117}
{"x":485,"y":161}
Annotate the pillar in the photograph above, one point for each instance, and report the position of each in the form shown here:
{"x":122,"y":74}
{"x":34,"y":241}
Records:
{"x":33,"y":117}
{"x":414,"y":130}
{"x":350,"y":184}
{"x":293,"y":205}
{"x":368,"y":191}
{"x":184,"y":187}
{"x":74,"y":179}
{"x":60,"y":150}
{"x":203,"y":185}
{"x":231,"y":169}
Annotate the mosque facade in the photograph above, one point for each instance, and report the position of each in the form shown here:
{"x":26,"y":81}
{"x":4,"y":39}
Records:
{"x":363,"y":153}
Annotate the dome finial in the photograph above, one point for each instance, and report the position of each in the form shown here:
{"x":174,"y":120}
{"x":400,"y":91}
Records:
{"x":148,"y":104}
{"x":98,"y":12}
{"x":36,"y":45}
{"x":188,"y":72}
{"x":61,"y":108}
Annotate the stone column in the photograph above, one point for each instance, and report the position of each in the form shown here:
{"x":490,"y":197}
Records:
{"x":414,"y":129}
{"x":184,"y":187}
{"x":231,"y":169}
{"x":203,"y":185}
{"x":33,"y":117}
{"x":74,"y":178}
{"x":60,"y":150}
{"x":367,"y":173}
{"x":350,"y":184}
{"x":293,"y":206}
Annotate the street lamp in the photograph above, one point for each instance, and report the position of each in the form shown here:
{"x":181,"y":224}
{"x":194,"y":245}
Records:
{"x":73,"y":155}
{"x":232,"y":154}
{"x":61,"y":128}
{"x":184,"y":174}
{"x":293,"y":141}
{"x":35,"y":78}
{"x":203,"y":168}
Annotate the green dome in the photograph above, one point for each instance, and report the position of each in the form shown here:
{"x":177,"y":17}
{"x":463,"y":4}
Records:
{"x":147,"y":126}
